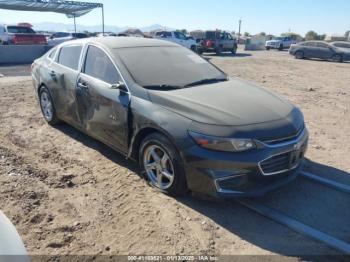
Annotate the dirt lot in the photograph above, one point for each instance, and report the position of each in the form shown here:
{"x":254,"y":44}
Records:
{"x":69,"y":194}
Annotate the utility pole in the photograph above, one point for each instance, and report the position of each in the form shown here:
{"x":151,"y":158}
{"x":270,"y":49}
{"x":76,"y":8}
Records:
{"x":240,"y":26}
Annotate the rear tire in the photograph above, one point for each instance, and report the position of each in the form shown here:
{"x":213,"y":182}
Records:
{"x":162,"y":165}
{"x":281,"y":47}
{"x":234,"y":50}
{"x":337,"y":58}
{"x":194,"y":48}
{"x":47,"y":107}
{"x":299,"y":55}
{"x":219,"y":50}
{"x":268,"y":48}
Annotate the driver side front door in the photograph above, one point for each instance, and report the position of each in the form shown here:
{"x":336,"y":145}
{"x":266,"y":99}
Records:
{"x":102,"y":109}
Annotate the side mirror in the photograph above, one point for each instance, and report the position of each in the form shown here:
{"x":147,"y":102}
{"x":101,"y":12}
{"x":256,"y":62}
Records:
{"x":120,"y":86}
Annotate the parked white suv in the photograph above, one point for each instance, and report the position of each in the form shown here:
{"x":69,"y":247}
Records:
{"x":280,"y":43}
{"x":179,"y":38}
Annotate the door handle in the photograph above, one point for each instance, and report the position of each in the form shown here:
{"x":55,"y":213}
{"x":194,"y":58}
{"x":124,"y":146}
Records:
{"x":83,"y":86}
{"x":53,"y":75}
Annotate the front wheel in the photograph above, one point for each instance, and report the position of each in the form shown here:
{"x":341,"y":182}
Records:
{"x":299,"y":55}
{"x":162,"y":165}
{"x":281,"y":47}
{"x":47,"y":106}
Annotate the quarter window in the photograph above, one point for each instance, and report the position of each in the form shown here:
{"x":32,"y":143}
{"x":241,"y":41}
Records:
{"x":98,"y":65}
{"x":70,"y":56}
{"x":52,"y":53}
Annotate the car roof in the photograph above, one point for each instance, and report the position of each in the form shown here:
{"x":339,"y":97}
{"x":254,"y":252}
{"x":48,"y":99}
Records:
{"x":113,"y":42}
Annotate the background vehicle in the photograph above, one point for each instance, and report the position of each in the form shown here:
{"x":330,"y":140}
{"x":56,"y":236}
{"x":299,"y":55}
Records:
{"x":178,"y":38}
{"x":20,"y":35}
{"x":218,"y":41}
{"x":10,"y":242}
{"x":61,"y":37}
{"x":321,"y":50}
{"x":280,"y":43}
{"x":341,"y":44}
{"x":179,"y":115}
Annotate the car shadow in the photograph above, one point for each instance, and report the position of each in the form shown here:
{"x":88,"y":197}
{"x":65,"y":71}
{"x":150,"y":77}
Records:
{"x":227,"y":55}
{"x":106,"y":151}
{"x":229,"y":214}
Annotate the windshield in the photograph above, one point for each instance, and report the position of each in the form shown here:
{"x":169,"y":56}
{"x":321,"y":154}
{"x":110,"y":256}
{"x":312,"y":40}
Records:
{"x":167,"y":66}
{"x":20,"y":30}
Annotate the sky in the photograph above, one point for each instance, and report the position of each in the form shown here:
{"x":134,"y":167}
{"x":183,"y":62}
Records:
{"x":269,"y":16}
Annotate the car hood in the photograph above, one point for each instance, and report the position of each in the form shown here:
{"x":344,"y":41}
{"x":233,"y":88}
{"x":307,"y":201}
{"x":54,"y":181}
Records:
{"x":231,"y":103}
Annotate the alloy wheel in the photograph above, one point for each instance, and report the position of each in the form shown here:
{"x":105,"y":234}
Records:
{"x":159,"y":167}
{"x":46,"y":106}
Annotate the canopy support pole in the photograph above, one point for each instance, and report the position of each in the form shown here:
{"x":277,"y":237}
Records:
{"x":103,"y":20}
{"x":75,"y":25}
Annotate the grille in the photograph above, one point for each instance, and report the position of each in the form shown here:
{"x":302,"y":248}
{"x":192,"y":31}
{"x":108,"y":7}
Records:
{"x":280,"y":163}
{"x":284,"y":140}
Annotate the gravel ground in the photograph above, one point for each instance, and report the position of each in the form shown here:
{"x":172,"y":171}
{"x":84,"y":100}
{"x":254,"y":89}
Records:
{"x":69,"y":194}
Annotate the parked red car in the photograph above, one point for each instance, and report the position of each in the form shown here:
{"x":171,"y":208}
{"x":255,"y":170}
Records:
{"x":21,"y":34}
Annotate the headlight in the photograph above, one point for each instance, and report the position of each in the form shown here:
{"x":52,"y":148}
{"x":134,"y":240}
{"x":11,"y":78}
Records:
{"x":223,"y":144}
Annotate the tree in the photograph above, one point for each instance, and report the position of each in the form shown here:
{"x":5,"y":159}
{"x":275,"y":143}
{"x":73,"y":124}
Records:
{"x":246,"y":34}
{"x":184,"y":31}
{"x":262,"y":34}
{"x":311,"y":35}
{"x":292,"y":35}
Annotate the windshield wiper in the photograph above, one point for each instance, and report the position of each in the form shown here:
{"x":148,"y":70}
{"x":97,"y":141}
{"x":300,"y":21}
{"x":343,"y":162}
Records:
{"x":206,"y":81}
{"x":163,"y":87}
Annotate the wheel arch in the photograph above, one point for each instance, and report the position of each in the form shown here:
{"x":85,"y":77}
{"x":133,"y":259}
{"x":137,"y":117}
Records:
{"x":141,"y":134}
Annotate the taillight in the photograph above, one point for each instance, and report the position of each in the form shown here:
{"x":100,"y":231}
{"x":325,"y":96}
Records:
{"x":15,"y":40}
{"x":209,"y":43}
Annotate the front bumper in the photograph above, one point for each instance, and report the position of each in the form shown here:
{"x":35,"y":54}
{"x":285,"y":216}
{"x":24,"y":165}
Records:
{"x":247,"y":174}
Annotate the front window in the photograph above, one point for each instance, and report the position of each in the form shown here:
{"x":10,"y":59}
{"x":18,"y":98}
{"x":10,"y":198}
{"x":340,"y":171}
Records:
{"x":98,"y":65}
{"x":167,"y":66}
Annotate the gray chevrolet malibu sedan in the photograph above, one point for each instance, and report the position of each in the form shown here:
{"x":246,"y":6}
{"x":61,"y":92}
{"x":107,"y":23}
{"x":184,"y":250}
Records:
{"x":189,"y":125}
{"x":320,"y":50}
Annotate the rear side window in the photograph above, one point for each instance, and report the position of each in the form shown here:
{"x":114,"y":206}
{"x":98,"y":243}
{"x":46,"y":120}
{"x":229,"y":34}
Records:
{"x":79,"y":35}
{"x":69,"y":56}
{"x":322,"y":45}
{"x":311,"y":44}
{"x":20,"y":30}
{"x":99,"y":65}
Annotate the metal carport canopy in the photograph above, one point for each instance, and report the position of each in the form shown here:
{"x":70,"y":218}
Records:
{"x":72,"y":9}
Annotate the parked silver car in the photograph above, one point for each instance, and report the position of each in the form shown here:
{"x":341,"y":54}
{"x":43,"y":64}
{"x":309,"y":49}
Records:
{"x":61,"y":37}
{"x":320,"y":50}
{"x":341,"y":44}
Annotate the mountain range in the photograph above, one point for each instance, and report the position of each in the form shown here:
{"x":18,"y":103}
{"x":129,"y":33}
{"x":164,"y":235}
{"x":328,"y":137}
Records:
{"x":56,"y":27}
